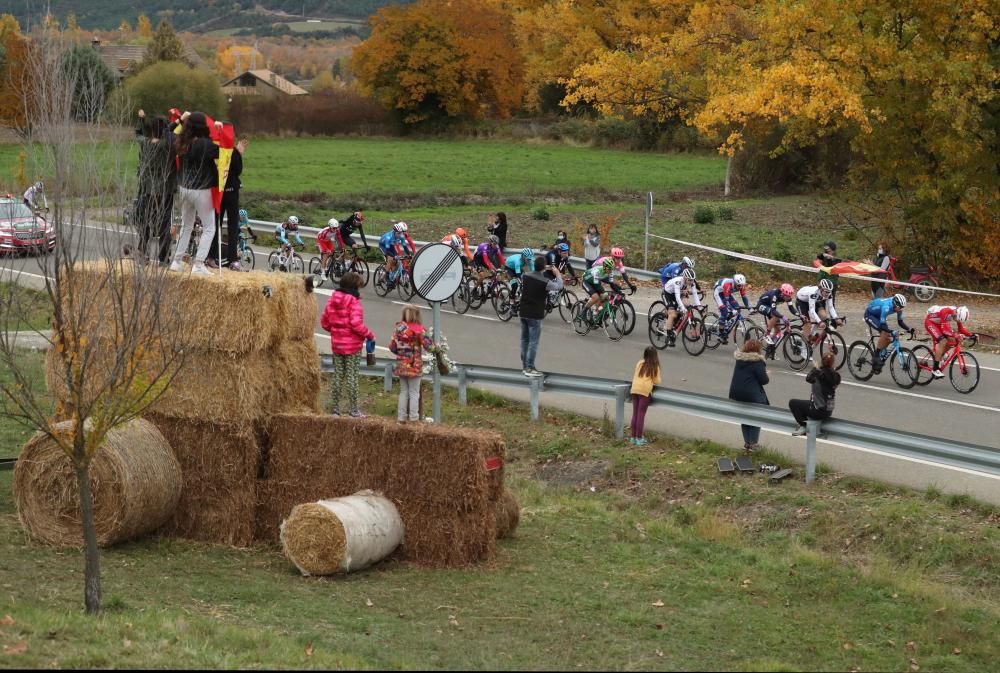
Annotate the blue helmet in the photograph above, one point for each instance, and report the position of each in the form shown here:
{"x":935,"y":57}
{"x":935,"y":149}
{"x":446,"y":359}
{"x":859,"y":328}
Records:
{"x":563,"y":247}
{"x":527,"y":253}
{"x":243,"y":216}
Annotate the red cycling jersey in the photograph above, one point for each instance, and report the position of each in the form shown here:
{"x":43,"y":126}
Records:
{"x":324,"y":239}
{"x":938,"y":322}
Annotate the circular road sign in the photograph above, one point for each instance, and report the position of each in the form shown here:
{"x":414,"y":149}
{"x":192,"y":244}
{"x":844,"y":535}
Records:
{"x":437,"y":272}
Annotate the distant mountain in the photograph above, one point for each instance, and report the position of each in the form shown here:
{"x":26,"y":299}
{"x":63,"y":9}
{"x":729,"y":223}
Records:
{"x":191,"y":14}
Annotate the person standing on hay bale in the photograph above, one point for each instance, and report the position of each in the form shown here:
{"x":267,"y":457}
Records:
{"x":409,"y":339}
{"x":198,"y":173}
{"x":344,"y":319}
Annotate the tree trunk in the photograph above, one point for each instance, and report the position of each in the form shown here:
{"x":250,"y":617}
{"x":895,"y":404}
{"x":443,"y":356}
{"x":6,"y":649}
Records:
{"x":729,"y":175}
{"x":92,"y":569}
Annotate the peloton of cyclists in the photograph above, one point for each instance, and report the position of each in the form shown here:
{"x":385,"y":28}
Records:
{"x":724,"y":297}
{"x":938,"y":326}
{"x":767,"y":306}
{"x":807,"y":299}
{"x":394,"y":243}
{"x":876,"y":316}
{"x":673,"y":297}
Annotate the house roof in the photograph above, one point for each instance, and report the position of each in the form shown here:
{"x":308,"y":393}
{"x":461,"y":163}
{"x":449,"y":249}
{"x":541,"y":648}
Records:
{"x":272,"y":79}
{"x":120,"y":56}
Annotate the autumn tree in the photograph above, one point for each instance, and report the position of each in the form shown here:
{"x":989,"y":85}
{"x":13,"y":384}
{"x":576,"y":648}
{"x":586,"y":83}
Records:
{"x":144,"y":27}
{"x":436,"y":59}
{"x":323,"y":83}
{"x":233,"y":59}
{"x":166,"y":46}
{"x":14,"y":93}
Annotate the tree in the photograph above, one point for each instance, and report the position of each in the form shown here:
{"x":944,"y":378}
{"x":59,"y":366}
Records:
{"x":323,"y":82}
{"x":92,"y":81}
{"x":125,"y":29}
{"x":144,"y":27}
{"x":437,"y":58}
{"x":234,"y":59}
{"x":169,"y":84}
{"x":166,"y":46}
{"x":116,"y":300}
{"x":14,"y":93}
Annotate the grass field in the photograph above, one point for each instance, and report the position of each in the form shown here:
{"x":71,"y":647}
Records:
{"x":625,"y":559}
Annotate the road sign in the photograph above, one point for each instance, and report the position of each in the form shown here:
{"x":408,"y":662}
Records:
{"x":437,"y":272}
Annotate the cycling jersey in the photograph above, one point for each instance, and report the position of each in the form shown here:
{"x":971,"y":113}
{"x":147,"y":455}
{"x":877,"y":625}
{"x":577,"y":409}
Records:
{"x":280,"y":233}
{"x":808,"y":296}
{"x":392,"y":243}
{"x":347,"y":227}
{"x":488,"y":256}
{"x":457,"y":242}
{"x":595,"y":277}
{"x":768,"y":303}
{"x":516,"y":264}
{"x":877,"y":313}
{"x":619,"y":266}
{"x":673,"y":291}
{"x":938,"y":322}
{"x":31,"y":196}
{"x":325,"y":239}
{"x":552,"y":258}
{"x":672,"y":270}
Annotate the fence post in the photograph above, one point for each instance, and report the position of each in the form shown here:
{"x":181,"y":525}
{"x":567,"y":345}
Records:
{"x":535,"y":385}
{"x":388,"y":377}
{"x":620,"y":392}
{"x":462,"y":399}
{"x":812,"y":429}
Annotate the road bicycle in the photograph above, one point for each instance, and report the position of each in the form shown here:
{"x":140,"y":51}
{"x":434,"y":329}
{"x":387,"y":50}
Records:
{"x":286,"y":259}
{"x":564,"y":300}
{"x":789,"y":341}
{"x":691,"y":327}
{"x":245,"y":252}
{"x":508,"y":301}
{"x":825,"y":340}
{"x":862,"y":360}
{"x":399,"y":279}
{"x":962,"y":366}
{"x":609,"y":316}
{"x":717,"y":331}
{"x":337,"y":265}
{"x":483,"y":288}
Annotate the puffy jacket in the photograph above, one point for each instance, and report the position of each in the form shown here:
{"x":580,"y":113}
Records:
{"x":344,"y":319}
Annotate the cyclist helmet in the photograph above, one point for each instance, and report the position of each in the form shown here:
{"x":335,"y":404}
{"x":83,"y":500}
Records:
{"x":787,"y":290}
{"x":826,"y":285}
{"x":293,"y":220}
{"x":243,"y":215}
{"x":689,"y":262}
{"x":358,"y":217}
{"x":400,"y":227}
{"x":608,"y":264}
{"x":689,"y":274}
{"x":899,"y":301}
{"x":740,"y":280}
{"x":332,"y":223}
{"x":461,"y":233}
{"x":962,"y":313}
{"x":494,"y":239}
{"x":527,"y":253}
{"x":563,"y":247}
{"x":617,"y":253}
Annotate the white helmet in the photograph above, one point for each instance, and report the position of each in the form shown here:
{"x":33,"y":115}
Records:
{"x":689,"y":274}
{"x":826,"y":285}
{"x":332,"y":223}
{"x":962,"y":313}
{"x":899,"y":301}
{"x":689,"y":262}
{"x":740,"y":280}
{"x":400,"y":227}
{"x":292,"y":219}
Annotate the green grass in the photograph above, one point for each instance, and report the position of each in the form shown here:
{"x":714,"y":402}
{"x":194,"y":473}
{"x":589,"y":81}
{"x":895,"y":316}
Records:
{"x":650,"y":561}
{"x":13,"y":435}
{"x":24,"y":309}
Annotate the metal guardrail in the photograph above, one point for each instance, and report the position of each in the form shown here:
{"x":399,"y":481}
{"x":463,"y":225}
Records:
{"x":311,"y":232}
{"x":861,"y":435}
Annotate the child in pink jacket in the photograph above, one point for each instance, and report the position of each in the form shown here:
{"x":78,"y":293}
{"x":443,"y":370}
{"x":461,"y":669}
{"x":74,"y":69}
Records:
{"x":344,"y":319}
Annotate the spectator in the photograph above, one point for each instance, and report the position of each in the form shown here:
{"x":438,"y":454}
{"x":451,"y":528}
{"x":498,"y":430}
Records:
{"x":497,"y":226}
{"x":535,"y":287}
{"x":157,"y":178}
{"x":749,"y":378}
{"x":829,"y":255}
{"x":198,"y":172}
{"x":344,"y":319}
{"x":230,"y":210}
{"x":647,"y":375}
{"x":883,"y":259}
{"x":591,"y":245}
{"x":562,"y":238}
{"x":819,"y":406}
{"x":408,"y":343}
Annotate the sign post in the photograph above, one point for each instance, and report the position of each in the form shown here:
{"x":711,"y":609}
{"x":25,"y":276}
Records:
{"x":437,"y":275}
{"x":645,"y":246}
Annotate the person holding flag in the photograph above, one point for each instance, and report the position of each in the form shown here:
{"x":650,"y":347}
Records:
{"x":198,"y":174}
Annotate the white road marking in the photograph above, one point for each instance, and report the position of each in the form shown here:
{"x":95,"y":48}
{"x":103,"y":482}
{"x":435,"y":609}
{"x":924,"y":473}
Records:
{"x":467,"y":315}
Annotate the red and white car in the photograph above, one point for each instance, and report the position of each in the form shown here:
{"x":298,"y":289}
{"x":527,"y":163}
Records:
{"x":21,"y":230}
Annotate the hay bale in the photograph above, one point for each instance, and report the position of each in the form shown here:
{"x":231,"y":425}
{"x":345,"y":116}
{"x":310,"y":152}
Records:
{"x":341,"y":535}
{"x":436,"y":476}
{"x":508,"y":514}
{"x":134,"y":478}
{"x":219,"y":462}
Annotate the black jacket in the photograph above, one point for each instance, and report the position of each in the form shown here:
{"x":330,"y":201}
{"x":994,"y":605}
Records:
{"x":824,"y":388}
{"x":749,"y":379}
{"x":233,"y":182}
{"x":535,"y":287}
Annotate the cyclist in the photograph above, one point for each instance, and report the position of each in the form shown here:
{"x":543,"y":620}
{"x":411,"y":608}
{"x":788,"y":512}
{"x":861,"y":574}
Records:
{"x":673,"y":293}
{"x":393,"y":243}
{"x":617,"y":258}
{"x":34,"y":197}
{"x":488,"y":255}
{"x":557,"y":257}
{"x":768,"y":304}
{"x":325,"y":241}
{"x":724,"y":297}
{"x":875,"y":316}
{"x":595,"y":277}
{"x":291,"y":224}
{"x":938,"y":325}
{"x":806,"y":299}
{"x":674,"y":269}
{"x":460,"y":241}
{"x":245,"y":223}
{"x":517,"y":264}
{"x":347,"y":227}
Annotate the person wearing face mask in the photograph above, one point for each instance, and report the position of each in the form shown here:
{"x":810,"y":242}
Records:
{"x":883,"y":259}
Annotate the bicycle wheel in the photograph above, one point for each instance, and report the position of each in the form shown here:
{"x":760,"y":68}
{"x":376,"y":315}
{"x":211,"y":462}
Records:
{"x":658,"y":331}
{"x":460,"y":300}
{"x":405,"y":285}
{"x":795,"y":351}
{"x":743,"y":332}
{"x":505,"y":304}
{"x":712,"y":337}
{"x":475,"y":291}
{"x":295,"y":264}
{"x":903,"y":367}
{"x":964,"y":372}
{"x":693,"y":336}
{"x":861,"y":360}
{"x":834,"y":343}
{"x":381,"y":280}
{"x":615,"y":321}
{"x":247,"y":258}
{"x":567,"y":300}
{"x":272,"y":261}
{"x":360,"y":267}
{"x":314,"y":266}
{"x":925,"y":364}
{"x":656,"y":307}
{"x":581,"y":321}
{"x":753,"y":333}
{"x":629,"y":311}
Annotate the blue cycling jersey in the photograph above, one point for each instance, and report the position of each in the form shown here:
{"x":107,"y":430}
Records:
{"x":878,"y":312}
{"x":515,"y":263}
{"x":671,"y":270}
{"x":389,"y":240}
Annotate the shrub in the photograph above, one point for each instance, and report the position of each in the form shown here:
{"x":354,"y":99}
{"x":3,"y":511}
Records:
{"x":167,"y":84}
{"x":726,"y":213}
{"x":782,"y":253}
{"x":541,"y":214}
{"x":704,"y":215}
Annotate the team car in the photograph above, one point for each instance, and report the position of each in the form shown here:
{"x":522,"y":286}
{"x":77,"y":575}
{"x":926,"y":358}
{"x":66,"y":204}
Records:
{"x":23,"y":231}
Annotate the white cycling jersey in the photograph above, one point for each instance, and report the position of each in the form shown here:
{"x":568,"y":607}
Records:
{"x":810,"y":295}
{"x":675,"y":286}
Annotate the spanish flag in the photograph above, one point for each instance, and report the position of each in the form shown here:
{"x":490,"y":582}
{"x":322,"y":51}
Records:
{"x":225,"y":138}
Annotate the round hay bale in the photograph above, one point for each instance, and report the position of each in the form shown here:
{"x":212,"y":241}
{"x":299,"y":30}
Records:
{"x":341,"y":535}
{"x":508,"y":513}
{"x":135,"y":480}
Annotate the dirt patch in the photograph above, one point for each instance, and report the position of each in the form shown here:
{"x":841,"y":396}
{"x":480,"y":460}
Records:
{"x":574,"y":472}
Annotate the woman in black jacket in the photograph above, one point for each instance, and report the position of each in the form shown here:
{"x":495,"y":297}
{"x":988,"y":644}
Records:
{"x":819,"y":406}
{"x":749,"y":378}
{"x":157,"y":178}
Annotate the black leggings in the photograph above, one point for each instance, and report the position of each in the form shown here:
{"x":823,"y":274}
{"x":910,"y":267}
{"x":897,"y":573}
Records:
{"x":231,"y":211}
{"x":803,"y":410}
{"x":153,"y":213}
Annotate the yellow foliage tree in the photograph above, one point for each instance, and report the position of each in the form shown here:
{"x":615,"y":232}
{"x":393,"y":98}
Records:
{"x":233,"y":59}
{"x":144,"y":27}
{"x":323,"y":82}
{"x":14,"y":89}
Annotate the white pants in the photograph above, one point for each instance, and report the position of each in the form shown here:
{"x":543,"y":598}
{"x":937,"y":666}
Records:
{"x":195,"y":202}
{"x":409,"y":398}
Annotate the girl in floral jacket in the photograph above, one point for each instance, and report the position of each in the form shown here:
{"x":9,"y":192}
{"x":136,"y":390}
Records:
{"x":408,"y":343}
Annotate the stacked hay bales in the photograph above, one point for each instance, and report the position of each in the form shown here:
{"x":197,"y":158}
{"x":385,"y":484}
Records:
{"x":437,"y":477}
{"x":249,"y":353}
{"x":135,"y":481}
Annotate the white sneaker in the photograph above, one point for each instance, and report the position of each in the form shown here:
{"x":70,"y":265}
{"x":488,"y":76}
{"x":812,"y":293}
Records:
{"x":800,"y":431}
{"x":804,"y":353}
{"x":199,"y":269}
{"x":937,"y":373}
{"x":535,"y":373}
{"x":769,"y":340}
{"x":177,"y":266}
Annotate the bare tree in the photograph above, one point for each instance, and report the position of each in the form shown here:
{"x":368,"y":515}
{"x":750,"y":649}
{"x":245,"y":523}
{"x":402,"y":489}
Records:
{"x":116,"y":337}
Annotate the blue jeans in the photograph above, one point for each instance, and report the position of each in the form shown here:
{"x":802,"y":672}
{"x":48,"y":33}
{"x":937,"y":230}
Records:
{"x":531,"y":334}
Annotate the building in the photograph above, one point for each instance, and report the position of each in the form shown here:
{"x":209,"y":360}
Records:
{"x":261,"y":83}
{"x":121,"y":57}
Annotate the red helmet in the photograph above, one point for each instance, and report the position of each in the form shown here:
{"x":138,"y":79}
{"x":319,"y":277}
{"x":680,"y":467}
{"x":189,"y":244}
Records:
{"x":358,"y":217}
{"x":617,"y":253}
{"x":460,"y":232}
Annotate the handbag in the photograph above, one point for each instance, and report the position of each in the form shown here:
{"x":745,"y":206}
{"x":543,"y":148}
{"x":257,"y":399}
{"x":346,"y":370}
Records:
{"x":441,"y":364}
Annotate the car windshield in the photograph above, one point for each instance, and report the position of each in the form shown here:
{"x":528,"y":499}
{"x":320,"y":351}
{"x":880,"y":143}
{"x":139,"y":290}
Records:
{"x":10,"y":210}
